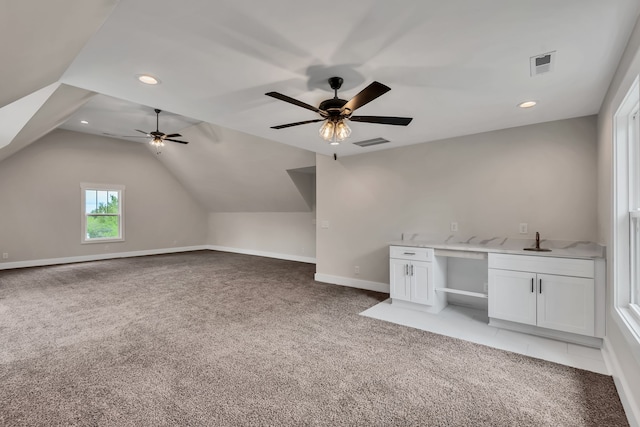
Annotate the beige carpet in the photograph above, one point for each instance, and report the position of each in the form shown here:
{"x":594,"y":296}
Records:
{"x":217,"y":339}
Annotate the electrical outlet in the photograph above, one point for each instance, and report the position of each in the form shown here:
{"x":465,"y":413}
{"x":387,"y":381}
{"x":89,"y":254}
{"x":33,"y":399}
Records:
{"x":357,"y":269}
{"x":524,"y":228}
{"x":454,"y":226}
{"x":325,"y":224}
{"x":5,"y":255}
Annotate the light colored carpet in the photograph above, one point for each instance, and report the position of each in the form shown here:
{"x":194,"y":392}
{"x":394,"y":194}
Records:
{"x":216,"y":339}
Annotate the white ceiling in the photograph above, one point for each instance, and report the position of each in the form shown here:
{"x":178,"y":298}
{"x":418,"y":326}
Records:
{"x":456,"y":67}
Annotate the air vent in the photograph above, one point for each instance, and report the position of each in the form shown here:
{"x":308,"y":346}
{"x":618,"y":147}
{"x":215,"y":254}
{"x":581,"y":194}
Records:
{"x":544,"y":63}
{"x":370,"y":142}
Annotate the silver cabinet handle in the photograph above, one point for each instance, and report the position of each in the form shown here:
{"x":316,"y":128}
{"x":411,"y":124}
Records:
{"x":409,"y":253}
{"x":540,"y":288}
{"x":532,"y":291}
{"x":406,"y":269}
{"x":412,"y":269}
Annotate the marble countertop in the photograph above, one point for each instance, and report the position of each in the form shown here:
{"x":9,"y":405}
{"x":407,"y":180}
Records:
{"x":505,"y":245}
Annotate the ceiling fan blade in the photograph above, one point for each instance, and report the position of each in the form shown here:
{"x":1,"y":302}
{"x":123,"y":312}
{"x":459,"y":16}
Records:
{"x":398,"y":121}
{"x":290,"y":100}
{"x":173,"y":135}
{"x":367,"y":95}
{"x":288,"y":125}
{"x":175,"y":140}
{"x":113,"y":135}
{"x":141,"y":131}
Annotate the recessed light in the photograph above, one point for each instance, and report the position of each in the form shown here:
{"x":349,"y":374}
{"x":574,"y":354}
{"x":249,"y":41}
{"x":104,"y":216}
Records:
{"x":527,"y":104}
{"x":148,"y":79}
{"x":84,"y":122}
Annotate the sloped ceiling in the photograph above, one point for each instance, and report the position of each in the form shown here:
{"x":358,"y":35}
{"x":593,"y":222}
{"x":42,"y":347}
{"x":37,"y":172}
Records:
{"x":53,"y":112}
{"x":230,"y":171}
{"x":41,"y":38}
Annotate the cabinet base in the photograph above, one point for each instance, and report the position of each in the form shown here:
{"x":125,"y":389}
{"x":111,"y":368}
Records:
{"x":433,"y":309}
{"x":547,"y":333}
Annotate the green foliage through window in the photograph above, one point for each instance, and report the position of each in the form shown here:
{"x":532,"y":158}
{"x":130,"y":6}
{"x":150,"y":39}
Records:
{"x":106,"y":221}
{"x":99,"y":227}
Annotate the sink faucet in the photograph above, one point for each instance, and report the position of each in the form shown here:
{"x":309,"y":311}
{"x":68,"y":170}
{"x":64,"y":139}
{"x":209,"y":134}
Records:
{"x":537,"y":240}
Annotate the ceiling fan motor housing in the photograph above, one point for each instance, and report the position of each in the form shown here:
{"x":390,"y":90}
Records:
{"x":332,"y":106}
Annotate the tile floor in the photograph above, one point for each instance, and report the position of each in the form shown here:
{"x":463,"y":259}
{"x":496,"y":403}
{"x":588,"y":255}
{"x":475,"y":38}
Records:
{"x":471,"y":325}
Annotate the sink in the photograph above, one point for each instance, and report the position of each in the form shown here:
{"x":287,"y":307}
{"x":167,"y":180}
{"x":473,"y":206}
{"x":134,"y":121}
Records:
{"x":537,"y":247}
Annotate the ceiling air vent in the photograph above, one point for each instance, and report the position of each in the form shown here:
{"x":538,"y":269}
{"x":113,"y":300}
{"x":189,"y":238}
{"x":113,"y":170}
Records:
{"x":370,"y":142}
{"x":544,"y":63}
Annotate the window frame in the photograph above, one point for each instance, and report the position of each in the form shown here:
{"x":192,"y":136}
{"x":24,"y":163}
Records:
{"x":626,"y":211}
{"x":84,"y":186}
{"x":633,"y":140}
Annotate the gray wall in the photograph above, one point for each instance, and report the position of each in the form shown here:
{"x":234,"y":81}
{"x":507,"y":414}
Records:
{"x":622,"y":346}
{"x":40,"y":198}
{"x":287,"y":234}
{"x":542,"y":174}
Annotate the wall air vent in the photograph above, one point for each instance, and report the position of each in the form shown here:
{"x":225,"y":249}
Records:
{"x":544,"y":63}
{"x":370,"y":142}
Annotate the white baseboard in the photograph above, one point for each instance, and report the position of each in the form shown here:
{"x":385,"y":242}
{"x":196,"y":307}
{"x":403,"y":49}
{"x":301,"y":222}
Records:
{"x":97,"y":257}
{"x":352,"y":283}
{"x":287,"y":257}
{"x":628,"y":402}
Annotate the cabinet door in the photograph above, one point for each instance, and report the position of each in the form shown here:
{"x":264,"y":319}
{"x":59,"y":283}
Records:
{"x":399,"y":280}
{"x":421,"y":283}
{"x":511,"y":296}
{"x":566,"y":303}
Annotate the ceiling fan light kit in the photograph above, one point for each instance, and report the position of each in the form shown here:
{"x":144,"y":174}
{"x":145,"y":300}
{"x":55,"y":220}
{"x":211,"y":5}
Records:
{"x":334,"y":131}
{"x":335,"y":112}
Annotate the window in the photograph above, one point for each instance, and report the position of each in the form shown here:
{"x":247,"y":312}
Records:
{"x":634,"y":209}
{"x":102,"y":213}
{"x":626,"y":247}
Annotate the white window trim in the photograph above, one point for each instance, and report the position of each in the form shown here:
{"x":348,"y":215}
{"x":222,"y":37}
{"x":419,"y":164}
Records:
{"x":83,"y":222}
{"x":627,"y":316}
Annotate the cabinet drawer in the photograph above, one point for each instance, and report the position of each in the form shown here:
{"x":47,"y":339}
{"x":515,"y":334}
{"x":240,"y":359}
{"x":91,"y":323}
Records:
{"x":407,"y":252}
{"x":543,"y":264}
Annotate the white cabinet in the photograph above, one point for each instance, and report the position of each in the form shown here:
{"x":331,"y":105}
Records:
{"x":411,"y":281}
{"x":512,"y":296}
{"x":566,"y":303}
{"x":399,"y":284}
{"x":553,"y":293}
{"x":411,"y":277}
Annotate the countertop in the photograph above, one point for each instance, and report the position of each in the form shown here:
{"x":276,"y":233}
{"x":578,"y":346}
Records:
{"x":505,"y":245}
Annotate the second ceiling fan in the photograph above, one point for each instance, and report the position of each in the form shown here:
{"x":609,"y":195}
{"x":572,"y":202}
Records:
{"x":336,"y":111}
{"x":160,"y":137}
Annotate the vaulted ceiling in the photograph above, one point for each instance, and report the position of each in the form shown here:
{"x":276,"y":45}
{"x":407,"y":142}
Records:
{"x":456,"y":67}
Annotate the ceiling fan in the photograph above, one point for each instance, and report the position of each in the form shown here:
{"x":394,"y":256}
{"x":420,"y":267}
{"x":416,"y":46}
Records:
{"x":160,"y":137}
{"x":336,"y":111}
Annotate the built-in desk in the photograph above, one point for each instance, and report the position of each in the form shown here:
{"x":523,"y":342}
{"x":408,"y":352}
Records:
{"x":558,"y":294}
